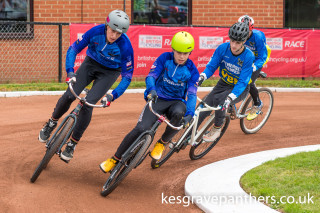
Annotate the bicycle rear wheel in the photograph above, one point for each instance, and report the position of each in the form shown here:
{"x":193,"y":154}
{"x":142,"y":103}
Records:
{"x":170,"y":149}
{"x":53,"y":148}
{"x":253,"y":126}
{"x":202,"y":147}
{"x":123,"y":168}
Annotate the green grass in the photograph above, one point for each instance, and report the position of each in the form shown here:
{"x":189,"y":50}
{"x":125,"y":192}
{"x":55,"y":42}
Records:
{"x":295,"y":175}
{"x":139,"y":83}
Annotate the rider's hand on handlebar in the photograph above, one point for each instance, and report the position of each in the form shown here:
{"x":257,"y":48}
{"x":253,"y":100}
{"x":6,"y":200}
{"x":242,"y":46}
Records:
{"x":186,"y":121}
{"x":71,"y":76}
{"x":152,"y":96}
{"x":200,"y":81}
{"x":226,"y":103}
{"x":106,"y":100}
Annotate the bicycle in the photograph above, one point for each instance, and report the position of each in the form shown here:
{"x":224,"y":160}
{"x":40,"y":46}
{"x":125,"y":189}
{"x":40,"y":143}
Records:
{"x":135,"y":154}
{"x":62,"y":134}
{"x":192,"y":136}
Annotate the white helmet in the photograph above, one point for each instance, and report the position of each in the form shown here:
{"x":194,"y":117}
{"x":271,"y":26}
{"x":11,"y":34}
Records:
{"x":118,"y":21}
{"x":247,"y":19}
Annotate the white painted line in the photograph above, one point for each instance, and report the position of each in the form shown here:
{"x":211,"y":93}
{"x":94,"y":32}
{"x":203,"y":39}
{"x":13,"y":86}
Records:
{"x":221,"y":180}
{"x":201,"y":89}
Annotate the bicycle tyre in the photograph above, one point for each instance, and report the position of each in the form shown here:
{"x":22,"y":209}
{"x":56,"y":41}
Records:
{"x":52,"y":149}
{"x":122,"y":169}
{"x":197,"y":151}
{"x":168,"y":152}
{"x":253,"y":126}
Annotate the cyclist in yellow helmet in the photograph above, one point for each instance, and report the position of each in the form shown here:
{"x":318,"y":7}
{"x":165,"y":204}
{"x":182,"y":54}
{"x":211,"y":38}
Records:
{"x":172,"y":86}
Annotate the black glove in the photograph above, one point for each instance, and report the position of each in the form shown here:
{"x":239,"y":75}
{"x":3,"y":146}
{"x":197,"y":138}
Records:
{"x":227,"y":103}
{"x":152,"y":96}
{"x":106,"y":100}
{"x":71,"y":75}
{"x":200,"y":80}
{"x":186,"y":121}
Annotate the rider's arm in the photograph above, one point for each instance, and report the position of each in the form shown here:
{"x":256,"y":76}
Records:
{"x":245,"y":76}
{"x":127,"y":66}
{"x":214,"y":62}
{"x":76,"y":48}
{"x":155,"y":72}
{"x":260,"y":60}
{"x":192,"y":91}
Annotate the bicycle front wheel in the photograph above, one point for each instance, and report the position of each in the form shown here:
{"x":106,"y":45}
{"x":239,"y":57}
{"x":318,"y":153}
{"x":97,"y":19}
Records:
{"x":253,"y":126}
{"x":123,"y":168}
{"x":202,"y":147}
{"x":53,"y":148}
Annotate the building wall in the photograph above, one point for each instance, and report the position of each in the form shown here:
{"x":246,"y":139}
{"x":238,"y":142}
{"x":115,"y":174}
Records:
{"x":267,"y":13}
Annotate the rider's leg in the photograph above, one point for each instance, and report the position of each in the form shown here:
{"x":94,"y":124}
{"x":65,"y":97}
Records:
{"x":83,"y":79}
{"x":255,"y":97}
{"x":215,"y":98}
{"x":175,"y":113}
{"x":145,"y":122}
{"x":99,"y":88}
{"x":253,"y":89}
{"x":103,"y":82}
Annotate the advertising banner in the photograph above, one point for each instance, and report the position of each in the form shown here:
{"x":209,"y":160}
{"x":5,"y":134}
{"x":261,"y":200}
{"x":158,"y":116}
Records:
{"x":294,"y":53}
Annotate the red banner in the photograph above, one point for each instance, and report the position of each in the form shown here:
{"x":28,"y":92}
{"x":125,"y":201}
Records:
{"x":295,"y":53}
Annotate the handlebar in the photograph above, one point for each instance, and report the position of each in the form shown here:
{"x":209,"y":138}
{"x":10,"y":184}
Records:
{"x":162,"y":118}
{"x":207,"y":106}
{"x":81,"y":99}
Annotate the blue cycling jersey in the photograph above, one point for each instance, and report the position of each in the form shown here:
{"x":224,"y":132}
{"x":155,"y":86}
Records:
{"x":233,"y":69}
{"x":172,"y":81}
{"x":257,"y":44}
{"x":118,"y":55}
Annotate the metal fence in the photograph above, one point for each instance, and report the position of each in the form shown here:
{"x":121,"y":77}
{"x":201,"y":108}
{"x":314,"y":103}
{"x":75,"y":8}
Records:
{"x":32,"y":51}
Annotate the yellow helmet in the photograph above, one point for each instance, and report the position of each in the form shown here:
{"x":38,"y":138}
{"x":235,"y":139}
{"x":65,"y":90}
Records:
{"x":182,"y":42}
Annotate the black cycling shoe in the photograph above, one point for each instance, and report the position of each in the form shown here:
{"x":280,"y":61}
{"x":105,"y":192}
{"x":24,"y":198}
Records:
{"x":46,"y":131}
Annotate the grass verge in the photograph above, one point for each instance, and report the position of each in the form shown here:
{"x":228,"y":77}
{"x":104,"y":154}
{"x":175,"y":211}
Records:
{"x":139,"y":83}
{"x":292,"y":183}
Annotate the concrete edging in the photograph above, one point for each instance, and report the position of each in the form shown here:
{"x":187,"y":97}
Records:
{"x":221,"y":179}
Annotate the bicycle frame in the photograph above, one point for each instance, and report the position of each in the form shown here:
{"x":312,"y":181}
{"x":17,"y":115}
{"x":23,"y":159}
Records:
{"x":203,"y":107}
{"x":234,"y":113}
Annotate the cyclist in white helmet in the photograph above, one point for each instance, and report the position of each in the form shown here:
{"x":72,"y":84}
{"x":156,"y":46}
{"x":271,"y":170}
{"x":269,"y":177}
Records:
{"x":109,"y":54}
{"x":256,"y":42}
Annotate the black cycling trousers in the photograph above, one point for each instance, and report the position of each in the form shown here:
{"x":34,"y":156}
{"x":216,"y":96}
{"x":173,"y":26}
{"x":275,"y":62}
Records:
{"x":103,"y":79}
{"x":253,"y":89}
{"x":174,"y":111}
{"x":217,"y":97}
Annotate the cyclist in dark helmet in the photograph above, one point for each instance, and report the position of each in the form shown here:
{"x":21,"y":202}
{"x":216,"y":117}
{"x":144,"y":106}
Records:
{"x":235,"y":62}
{"x":172,"y":85}
{"x":109,"y":54}
{"x":256,"y":42}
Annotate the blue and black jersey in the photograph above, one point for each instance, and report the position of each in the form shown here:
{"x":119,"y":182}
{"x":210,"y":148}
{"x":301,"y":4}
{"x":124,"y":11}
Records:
{"x":257,"y":44}
{"x":118,"y":55}
{"x":172,"y":81}
{"x":234,"y":70}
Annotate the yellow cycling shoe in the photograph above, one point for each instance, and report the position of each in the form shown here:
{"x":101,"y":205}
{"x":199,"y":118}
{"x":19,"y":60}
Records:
{"x":255,"y":111}
{"x":108,"y":165}
{"x":157,"y":150}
